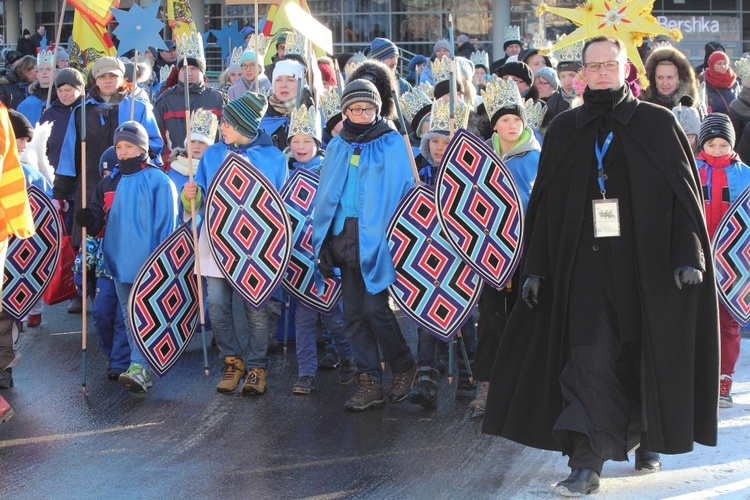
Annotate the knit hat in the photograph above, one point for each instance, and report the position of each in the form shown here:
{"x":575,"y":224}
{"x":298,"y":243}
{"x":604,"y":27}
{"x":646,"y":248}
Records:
{"x":462,"y":39}
{"x":196,"y":62}
{"x":142,"y":73}
{"x":518,"y":69}
{"x":441,"y":44}
{"x":26,"y":32}
{"x":288,"y":67}
{"x":108,"y":158}
{"x":245,"y":112}
{"x":21,"y":125}
{"x":248,"y":55}
{"x":360,"y":91}
{"x":549,"y":75}
{"x":716,"y":57}
{"x":12,"y":56}
{"x":688,"y":118}
{"x":62,"y":55}
{"x":132,"y":132}
{"x":328,"y":74}
{"x":69,"y":76}
{"x":716,"y":125}
{"x":382,"y":48}
{"x":105,"y":65}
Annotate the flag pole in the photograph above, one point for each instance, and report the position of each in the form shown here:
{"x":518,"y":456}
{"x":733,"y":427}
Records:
{"x":83,"y":248}
{"x":57,"y":47}
{"x":135,"y":84}
{"x":257,"y":72}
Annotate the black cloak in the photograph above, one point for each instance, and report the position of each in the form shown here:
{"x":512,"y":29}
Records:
{"x":679,"y":328}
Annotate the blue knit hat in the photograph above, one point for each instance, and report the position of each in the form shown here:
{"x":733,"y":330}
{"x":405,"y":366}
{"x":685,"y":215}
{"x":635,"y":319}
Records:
{"x":382,"y":48}
{"x":132,"y":132}
{"x":248,"y":55}
{"x":549,"y":75}
{"x":245,"y":112}
{"x":108,"y":160}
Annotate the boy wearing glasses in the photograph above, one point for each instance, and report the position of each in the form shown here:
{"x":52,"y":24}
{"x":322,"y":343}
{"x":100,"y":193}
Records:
{"x":364,"y":175}
{"x":247,"y":82}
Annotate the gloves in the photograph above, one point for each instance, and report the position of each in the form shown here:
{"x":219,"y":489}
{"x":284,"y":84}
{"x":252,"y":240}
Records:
{"x":85,"y":217}
{"x":325,"y":261}
{"x":60,"y":205}
{"x":530,"y":291}
{"x":687,"y":275}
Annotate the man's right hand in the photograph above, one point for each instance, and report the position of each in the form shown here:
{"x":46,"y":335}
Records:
{"x":530,"y":291}
{"x":189,"y":190}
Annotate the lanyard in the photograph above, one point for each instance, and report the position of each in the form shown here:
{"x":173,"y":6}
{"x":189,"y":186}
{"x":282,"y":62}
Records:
{"x":600,"y":152}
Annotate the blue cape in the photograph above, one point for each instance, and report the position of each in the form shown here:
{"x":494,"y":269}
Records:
{"x":32,"y":108}
{"x":738,"y":177}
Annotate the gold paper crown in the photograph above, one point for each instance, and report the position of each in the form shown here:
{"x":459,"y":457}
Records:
{"x":481,"y":58}
{"x":571,"y":53}
{"x":742,"y":68}
{"x":205,"y":123}
{"x":413,"y":102}
{"x":512,"y":33}
{"x":441,"y":69}
{"x":263,"y":42}
{"x":541,"y":44}
{"x":164,"y":72}
{"x":296,"y":43}
{"x":189,"y":45}
{"x":440,"y":117}
{"x":330,"y":103}
{"x":45,"y":56}
{"x":237,"y":52}
{"x":305,"y":121}
{"x":534,"y":113}
{"x":427,"y":89}
{"x":500,"y":94}
{"x":660,"y":44}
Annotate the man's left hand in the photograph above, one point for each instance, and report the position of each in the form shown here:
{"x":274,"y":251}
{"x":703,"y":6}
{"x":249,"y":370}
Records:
{"x":687,"y":275}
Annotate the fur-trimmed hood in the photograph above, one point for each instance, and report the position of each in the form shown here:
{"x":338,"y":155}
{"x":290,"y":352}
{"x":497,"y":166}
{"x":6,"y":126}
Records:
{"x":424,"y":144}
{"x":383,"y":79}
{"x":688,"y":85}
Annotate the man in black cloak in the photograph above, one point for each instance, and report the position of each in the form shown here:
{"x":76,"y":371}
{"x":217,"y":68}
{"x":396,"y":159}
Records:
{"x":619,"y":344}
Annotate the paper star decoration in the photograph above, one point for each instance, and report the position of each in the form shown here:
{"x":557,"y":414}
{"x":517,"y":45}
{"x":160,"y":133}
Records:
{"x":139,"y":28}
{"x":630,"y":21}
{"x":227,"y":33}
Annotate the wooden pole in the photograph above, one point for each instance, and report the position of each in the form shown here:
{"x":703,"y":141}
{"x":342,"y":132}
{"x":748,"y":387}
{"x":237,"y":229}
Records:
{"x":83,"y":249}
{"x":135,"y":84}
{"x":57,"y":47}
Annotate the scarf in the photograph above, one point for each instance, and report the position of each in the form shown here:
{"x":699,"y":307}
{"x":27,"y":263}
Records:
{"x":666,"y":100}
{"x":719,"y":161}
{"x":133,"y":165}
{"x":283,"y":108}
{"x":720,"y":80}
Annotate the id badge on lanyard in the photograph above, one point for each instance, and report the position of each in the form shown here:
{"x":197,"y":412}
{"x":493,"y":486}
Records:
{"x":606,"y":211}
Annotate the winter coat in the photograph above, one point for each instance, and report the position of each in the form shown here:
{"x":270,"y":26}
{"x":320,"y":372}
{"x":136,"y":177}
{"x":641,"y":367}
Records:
{"x":556,"y":104}
{"x":743,"y":145}
{"x":12,"y":89}
{"x":522,"y":161}
{"x":663,"y":228}
{"x":26,"y":46}
{"x":241,"y":86}
{"x":714,"y":96}
{"x":721,"y":186}
{"x":465,"y":50}
{"x":687,"y":86}
{"x":739,"y":111}
{"x":34,"y":105}
{"x":59,"y":115}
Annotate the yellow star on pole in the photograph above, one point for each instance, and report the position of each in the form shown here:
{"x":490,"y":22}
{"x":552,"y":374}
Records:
{"x":630,"y":21}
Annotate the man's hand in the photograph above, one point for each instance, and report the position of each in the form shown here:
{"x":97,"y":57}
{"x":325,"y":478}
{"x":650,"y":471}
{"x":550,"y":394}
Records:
{"x":530,"y":291}
{"x":325,"y":262}
{"x":85,"y":217}
{"x":687,"y":275}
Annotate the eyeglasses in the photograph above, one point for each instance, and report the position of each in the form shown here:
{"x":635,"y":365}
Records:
{"x":368,"y":111}
{"x":608,"y":65}
{"x":248,"y":65}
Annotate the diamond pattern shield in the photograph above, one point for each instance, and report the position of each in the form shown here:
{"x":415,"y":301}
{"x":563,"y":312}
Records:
{"x":163,"y":303}
{"x":250,"y":234}
{"x":29,"y":263}
{"x":731,"y":246}
{"x":479,"y":208}
{"x":434,"y":286}
{"x":299,"y":195}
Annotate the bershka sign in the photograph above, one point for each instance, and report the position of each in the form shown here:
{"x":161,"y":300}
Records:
{"x":692,"y":24}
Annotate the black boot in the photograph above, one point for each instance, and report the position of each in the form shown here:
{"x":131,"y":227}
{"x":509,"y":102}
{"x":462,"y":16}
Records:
{"x":647,"y":461}
{"x":580,"y":482}
{"x":425,"y":387}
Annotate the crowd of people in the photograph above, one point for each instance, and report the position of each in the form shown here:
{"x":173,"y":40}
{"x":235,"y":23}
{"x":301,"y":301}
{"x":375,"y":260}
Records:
{"x":617,"y":339}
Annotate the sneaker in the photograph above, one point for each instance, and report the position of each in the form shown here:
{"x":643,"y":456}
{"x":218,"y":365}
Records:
{"x":6,"y":378}
{"x":347,"y":370}
{"x":465,"y":389}
{"x":255,"y":383}
{"x":480,"y":401}
{"x":369,"y":395}
{"x":401,"y":384}
{"x":136,"y":379}
{"x":329,"y":361}
{"x":6,"y":412}
{"x":34,"y":320}
{"x":425,"y":389}
{"x":304,"y":385}
{"x":75,"y":306}
{"x":234,"y":370}
{"x":725,"y":390}
{"x":114,"y":373}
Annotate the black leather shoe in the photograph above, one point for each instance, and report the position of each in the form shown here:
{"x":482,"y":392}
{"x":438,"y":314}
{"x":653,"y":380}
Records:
{"x":580,"y":482}
{"x":647,"y":461}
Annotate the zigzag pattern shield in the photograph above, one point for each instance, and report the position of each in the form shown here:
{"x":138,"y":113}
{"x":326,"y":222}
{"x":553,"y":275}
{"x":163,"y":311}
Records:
{"x":29,"y":263}
{"x":434,"y":286}
{"x":731,"y":246}
{"x":163,"y":303}
{"x":479,"y":208}
{"x":299,"y":196}
{"x":250,"y":235}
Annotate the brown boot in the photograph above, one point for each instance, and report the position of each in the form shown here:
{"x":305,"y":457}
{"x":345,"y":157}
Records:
{"x":480,"y":401}
{"x":255,"y":383}
{"x":401,"y":384}
{"x":369,"y":395}
{"x":234,"y":370}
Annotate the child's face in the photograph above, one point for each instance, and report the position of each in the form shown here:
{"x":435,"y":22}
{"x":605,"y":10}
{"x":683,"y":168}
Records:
{"x":230,"y":135}
{"x":126,"y":150}
{"x":717,"y":147}
{"x":509,"y":127}
{"x":197,"y":148}
{"x":21,"y":144}
{"x":45,"y":74}
{"x":437,"y":148}
{"x":303,"y":148}
{"x":362,"y":113}
{"x":566,"y":80}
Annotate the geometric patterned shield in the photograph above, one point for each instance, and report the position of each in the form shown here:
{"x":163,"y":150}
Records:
{"x":479,"y":208}
{"x":250,"y":235}
{"x":433,"y":286}
{"x":29,"y":263}
{"x":299,"y":196}
{"x":731,"y":246}
{"x":163,"y":303}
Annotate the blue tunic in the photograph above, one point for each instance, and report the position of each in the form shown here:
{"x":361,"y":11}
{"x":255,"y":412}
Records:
{"x":32,"y":108}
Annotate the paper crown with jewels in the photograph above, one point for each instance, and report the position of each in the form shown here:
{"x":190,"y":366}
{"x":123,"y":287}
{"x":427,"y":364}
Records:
{"x":190,"y":46}
{"x":203,"y":126}
{"x":263,"y":42}
{"x":541,"y":44}
{"x":440,"y":119}
{"x":45,"y":56}
{"x":234,"y":59}
{"x":296,"y":43}
{"x":571,"y":53}
{"x":481,"y":58}
{"x":164,"y":72}
{"x":427,"y":89}
{"x":742,"y":69}
{"x":413,"y":103}
{"x":499,"y":94}
{"x":441,"y":69}
{"x":330,"y":103}
{"x":512,"y":33}
{"x":305,"y":121}
{"x":534,"y":113}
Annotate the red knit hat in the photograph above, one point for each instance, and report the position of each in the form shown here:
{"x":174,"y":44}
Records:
{"x":716,"y":57}
{"x":328,"y":74}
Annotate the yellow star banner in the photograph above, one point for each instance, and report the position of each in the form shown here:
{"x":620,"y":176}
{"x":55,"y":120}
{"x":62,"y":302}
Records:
{"x":90,"y":42}
{"x":180,"y":18}
{"x":630,"y":21}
